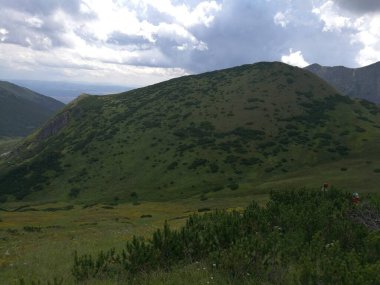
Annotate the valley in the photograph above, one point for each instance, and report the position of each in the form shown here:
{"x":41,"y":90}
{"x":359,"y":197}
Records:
{"x":105,"y":169}
{"x":202,"y":142}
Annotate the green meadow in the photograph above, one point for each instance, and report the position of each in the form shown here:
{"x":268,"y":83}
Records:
{"x":37,"y":241}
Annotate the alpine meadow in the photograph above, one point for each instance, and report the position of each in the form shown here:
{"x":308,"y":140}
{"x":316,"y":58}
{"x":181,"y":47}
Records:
{"x":178,"y":142}
{"x":126,"y":163}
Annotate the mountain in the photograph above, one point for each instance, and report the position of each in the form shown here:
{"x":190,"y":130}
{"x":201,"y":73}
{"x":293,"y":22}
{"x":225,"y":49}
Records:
{"x":225,"y":132}
{"x":361,"y":82}
{"x":22,"y":110}
{"x":68,"y":91}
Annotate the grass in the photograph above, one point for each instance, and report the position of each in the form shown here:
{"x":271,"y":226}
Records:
{"x":124,"y":164}
{"x":300,"y":237}
{"x":358,"y":176}
{"x":48,"y":253}
{"x":7,"y":144}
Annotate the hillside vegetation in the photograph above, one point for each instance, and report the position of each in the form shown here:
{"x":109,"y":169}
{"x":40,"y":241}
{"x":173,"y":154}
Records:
{"x":242,"y":129}
{"x":22,"y":110}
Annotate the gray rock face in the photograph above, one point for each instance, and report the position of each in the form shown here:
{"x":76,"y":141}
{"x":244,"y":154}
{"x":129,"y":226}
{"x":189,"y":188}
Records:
{"x":363,"y":83}
{"x":54,"y":126}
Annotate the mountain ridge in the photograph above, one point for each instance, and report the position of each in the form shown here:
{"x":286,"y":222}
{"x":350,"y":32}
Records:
{"x":23,"y":110}
{"x":195,"y":135}
{"x":362,"y":82}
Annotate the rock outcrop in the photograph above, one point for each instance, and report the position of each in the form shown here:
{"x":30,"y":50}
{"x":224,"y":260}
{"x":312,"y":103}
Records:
{"x":363,"y":83}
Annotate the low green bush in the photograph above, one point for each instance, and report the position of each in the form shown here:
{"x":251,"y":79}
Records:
{"x":299,"y":237}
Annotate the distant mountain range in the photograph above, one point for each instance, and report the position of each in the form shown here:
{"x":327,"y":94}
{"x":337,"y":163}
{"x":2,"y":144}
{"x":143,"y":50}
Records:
{"x":228,"y":132}
{"x":68,"y":91}
{"x":23,"y":110}
{"x":361,"y":82}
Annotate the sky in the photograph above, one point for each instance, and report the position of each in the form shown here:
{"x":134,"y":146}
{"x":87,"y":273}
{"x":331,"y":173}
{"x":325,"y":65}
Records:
{"x":141,"y":42}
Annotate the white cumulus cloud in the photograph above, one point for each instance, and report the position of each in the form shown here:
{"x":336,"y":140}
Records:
{"x":332,"y":20}
{"x":364,"y":30}
{"x":294,"y":58}
{"x":103,"y":37}
{"x":34,"y":22}
{"x":3,"y":34}
{"x":202,"y":14}
{"x":281,"y":19}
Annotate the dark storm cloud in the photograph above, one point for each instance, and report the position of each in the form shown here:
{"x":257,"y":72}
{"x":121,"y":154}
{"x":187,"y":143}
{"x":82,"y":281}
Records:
{"x":242,"y":32}
{"x":245,"y":32}
{"x":360,"y":6}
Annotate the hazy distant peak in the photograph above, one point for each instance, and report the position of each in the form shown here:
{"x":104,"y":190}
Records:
{"x":23,"y":110}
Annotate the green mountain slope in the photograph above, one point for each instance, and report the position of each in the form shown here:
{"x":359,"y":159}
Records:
{"x":22,"y":110}
{"x":236,"y":129}
{"x":363,"y":82}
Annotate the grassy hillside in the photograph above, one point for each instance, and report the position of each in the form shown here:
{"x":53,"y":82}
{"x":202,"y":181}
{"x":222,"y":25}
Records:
{"x":237,"y":131}
{"x":22,"y":110}
{"x":7,"y":144}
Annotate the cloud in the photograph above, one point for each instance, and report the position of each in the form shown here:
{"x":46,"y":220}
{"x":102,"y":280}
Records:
{"x":111,"y":39}
{"x":56,"y":65}
{"x":368,"y":35}
{"x":202,"y":14}
{"x":3,"y":34}
{"x":360,"y":6}
{"x":281,"y":19}
{"x":363,"y":30}
{"x":108,"y":31}
{"x":295,"y":58}
{"x":333,"y":21}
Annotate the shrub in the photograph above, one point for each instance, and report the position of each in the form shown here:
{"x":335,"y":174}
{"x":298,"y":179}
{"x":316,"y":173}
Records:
{"x":3,"y":199}
{"x":172,"y":165}
{"x":233,"y":186}
{"x":300,"y":237}
{"x":214,"y":168}
{"x":74,"y":192}
{"x":31,"y":229}
{"x":204,"y":210}
{"x":198,"y":163}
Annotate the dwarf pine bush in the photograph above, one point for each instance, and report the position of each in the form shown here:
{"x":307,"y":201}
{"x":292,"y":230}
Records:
{"x":300,"y":237}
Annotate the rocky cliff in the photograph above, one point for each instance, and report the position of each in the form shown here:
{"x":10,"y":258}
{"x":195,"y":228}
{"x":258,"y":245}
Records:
{"x":361,"y":82}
